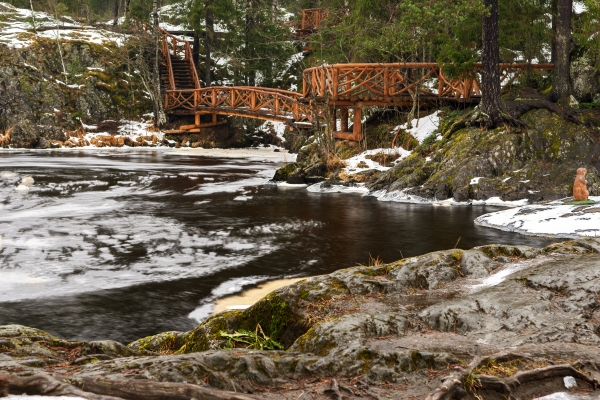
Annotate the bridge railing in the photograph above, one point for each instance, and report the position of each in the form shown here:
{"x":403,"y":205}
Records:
{"x":384,"y":83}
{"x":276,"y":103}
{"x":172,"y":45}
{"x":312,"y":18}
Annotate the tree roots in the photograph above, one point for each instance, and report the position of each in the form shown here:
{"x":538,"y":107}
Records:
{"x":453,"y":386}
{"x":94,"y":388}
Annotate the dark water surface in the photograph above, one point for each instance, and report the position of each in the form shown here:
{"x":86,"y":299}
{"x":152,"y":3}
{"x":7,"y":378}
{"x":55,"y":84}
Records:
{"x":120,"y":245}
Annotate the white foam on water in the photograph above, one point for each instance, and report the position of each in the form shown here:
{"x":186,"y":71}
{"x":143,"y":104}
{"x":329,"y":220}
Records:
{"x":81,"y":234}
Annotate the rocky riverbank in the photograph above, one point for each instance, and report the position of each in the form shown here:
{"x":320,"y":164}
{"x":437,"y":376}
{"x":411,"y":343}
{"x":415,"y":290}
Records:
{"x":493,"y":321}
{"x":461,"y":163}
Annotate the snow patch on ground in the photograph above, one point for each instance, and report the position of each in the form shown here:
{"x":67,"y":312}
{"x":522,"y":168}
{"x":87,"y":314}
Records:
{"x":326,"y":187}
{"x":402,"y":196}
{"x":422,"y":127}
{"x":278,"y":127}
{"x":553,"y":219}
{"x":16,"y":29}
{"x":353,"y":162}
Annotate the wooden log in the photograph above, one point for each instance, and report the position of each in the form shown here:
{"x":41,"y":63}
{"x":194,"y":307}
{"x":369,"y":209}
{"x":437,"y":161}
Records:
{"x":148,"y":390}
{"x":94,"y":388}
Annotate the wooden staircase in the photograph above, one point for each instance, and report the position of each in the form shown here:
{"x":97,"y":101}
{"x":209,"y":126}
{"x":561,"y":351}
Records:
{"x":178,"y":74}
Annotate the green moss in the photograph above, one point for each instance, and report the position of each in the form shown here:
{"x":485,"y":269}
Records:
{"x":457,"y":256}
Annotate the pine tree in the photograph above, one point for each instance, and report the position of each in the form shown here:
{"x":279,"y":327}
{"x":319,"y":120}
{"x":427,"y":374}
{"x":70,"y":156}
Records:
{"x":490,"y":73}
{"x":561,"y":82}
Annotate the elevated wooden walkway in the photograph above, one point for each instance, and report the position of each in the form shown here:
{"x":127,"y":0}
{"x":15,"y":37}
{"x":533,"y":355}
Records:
{"x":330,"y":92}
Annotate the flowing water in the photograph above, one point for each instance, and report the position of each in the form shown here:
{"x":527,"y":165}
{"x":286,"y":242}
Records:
{"x":123,"y":244}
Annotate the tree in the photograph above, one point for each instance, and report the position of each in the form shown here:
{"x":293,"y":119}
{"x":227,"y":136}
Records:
{"x":490,"y":73}
{"x":159,"y":113}
{"x":561,"y":81}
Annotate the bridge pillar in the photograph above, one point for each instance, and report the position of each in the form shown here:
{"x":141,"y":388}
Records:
{"x":345,"y":133}
{"x":344,"y":119}
{"x":357,"y":127}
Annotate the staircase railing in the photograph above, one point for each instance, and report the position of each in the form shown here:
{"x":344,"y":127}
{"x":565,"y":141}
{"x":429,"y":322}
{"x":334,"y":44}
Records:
{"x":172,"y":45}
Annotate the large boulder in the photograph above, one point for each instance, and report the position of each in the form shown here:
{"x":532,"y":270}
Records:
{"x":586,"y":80}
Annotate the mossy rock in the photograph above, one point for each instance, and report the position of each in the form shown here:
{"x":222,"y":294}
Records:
{"x":283,"y":173}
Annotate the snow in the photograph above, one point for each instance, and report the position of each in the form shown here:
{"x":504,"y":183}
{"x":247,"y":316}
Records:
{"x":328,"y":188}
{"x":16,"y":29}
{"x":352,"y":162}
{"x":553,"y":219}
{"x":26,"y":397}
{"x":475,"y":181}
{"x":402,"y":196}
{"x":422,"y":127}
{"x":565,"y":396}
{"x":278,"y":127}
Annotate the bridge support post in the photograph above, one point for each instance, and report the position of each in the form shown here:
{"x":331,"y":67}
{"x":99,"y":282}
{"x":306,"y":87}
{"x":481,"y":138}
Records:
{"x":344,"y":119}
{"x":356,"y":134}
{"x":357,"y":128}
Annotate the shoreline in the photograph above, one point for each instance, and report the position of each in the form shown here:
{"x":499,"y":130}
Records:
{"x":513,"y":208}
{"x":275,"y":154}
{"x":248,"y":297}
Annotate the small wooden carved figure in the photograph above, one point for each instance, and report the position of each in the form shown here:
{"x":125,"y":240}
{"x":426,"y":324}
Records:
{"x":580,"y":192}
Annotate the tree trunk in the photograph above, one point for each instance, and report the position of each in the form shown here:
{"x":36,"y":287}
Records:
{"x":159,"y":114}
{"x":561,"y":80}
{"x":116,"y":13}
{"x":490,"y":72}
{"x":251,"y":77}
{"x":208,"y":36}
{"x":553,"y":12}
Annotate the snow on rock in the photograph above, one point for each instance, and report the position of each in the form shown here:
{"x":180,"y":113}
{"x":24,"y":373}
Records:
{"x":352,"y":164}
{"x":553,"y":219}
{"x":326,"y":187}
{"x":422,"y":127}
{"x":402,"y":196}
{"x":565,"y":396}
{"x":16,"y":29}
{"x":278,"y":127}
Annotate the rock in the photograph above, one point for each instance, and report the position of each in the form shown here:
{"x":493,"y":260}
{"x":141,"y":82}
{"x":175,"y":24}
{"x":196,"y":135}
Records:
{"x":401,"y":327}
{"x":475,"y":264}
{"x":27,"y":135}
{"x":297,"y":177}
{"x":109,"y":348}
{"x":283,"y":173}
{"x":536,"y":164}
{"x":586,"y":79}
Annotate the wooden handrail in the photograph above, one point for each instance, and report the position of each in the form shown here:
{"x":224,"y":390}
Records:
{"x":338,"y":85}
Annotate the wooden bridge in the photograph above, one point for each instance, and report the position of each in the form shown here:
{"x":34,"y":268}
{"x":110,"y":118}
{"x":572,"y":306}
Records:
{"x":330,"y":92}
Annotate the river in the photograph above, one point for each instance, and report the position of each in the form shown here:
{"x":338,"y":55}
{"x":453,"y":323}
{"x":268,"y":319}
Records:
{"x":114,"y":244}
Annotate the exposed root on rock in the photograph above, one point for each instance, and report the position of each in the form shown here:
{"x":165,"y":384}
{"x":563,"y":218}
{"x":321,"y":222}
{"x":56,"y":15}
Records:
{"x":518,"y":108}
{"x":93,"y":388}
{"x":453,"y":386}
{"x":514,"y":111}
